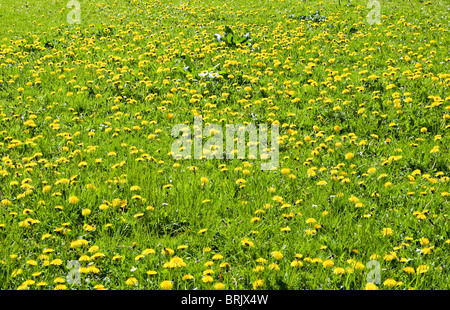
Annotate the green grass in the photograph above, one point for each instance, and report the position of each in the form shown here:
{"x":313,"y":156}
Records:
{"x":119,"y":74}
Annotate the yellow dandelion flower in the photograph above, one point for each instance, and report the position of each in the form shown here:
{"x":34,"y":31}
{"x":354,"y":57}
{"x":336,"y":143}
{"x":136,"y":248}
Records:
{"x":387,"y":232}
{"x":28,"y":282}
{"x":202,"y":231}
{"x":274,"y":267}
{"x":316,"y":260}
{"x":328,"y":263}
{"x":409,"y":270}
{"x":424,"y":241}
{"x":73,"y":199}
{"x":339,"y":271}
{"x":371,"y":287}
{"x":85,"y":212}
{"x":247,"y":243}
{"x":217,"y":256}
{"x":427,"y":250}
{"x":259,"y":268}
{"x":390,"y":282}
{"x":296,"y":263}
{"x":56,"y":262}
{"x":46,"y":189}
{"x":277,"y":255}
{"x":175,"y":262}
{"x":187,"y":277}
{"x":285,"y":171}
{"x":207,"y":279}
{"x":258,"y":284}
{"x":148,"y":251}
{"x":422,"y":269}
{"x":99,"y":287}
{"x":131,"y":281}
{"x":261,"y":260}
{"x":167,"y":251}
{"x":310,"y":232}
{"x":60,"y":287}
{"x":151,"y":272}
{"x":311,"y":220}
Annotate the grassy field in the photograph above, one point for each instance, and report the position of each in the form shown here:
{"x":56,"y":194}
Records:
{"x":92,"y":198}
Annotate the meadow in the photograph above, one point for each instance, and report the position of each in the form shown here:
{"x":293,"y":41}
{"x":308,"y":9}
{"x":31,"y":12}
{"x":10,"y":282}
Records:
{"x":92,"y":198}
